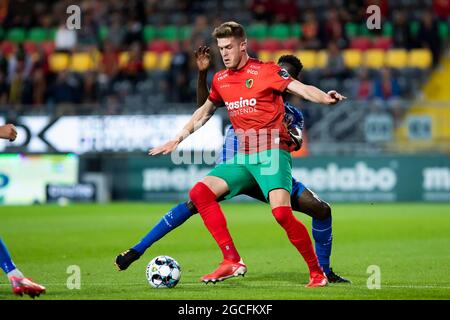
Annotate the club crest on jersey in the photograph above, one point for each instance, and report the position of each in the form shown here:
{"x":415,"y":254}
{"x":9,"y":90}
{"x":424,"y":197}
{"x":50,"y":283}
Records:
{"x":284,"y":74}
{"x":249,"y":83}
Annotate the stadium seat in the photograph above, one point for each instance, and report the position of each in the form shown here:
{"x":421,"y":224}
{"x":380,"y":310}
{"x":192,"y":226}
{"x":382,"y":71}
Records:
{"x":149,"y":33}
{"x":253,"y":45}
{"x":397,"y":58}
{"x":257,"y":31}
{"x":16,"y":35}
{"x":185,"y":32}
{"x":351,"y":29}
{"x":7,"y":47}
{"x":103,"y":32}
{"x":291,"y":44}
{"x":352,"y":58}
{"x":168,"y":33}
{"x":123,"y":58}
{"x":165,"y":59}
{"x":382,"y":43}
{"x":374,"y":58}
{"x":270,"y":45}
{"x":81,"y":62}
{"x":59,"y":62}
{"x":360,"y":43}
{"x":48,"y":47}
{"x":277,"y":54}
{"x":420,"y":58}
{"x":30,"y":47}
{"x":279,"y":31}
{"x":2,"y":33}
{"x":265,"y":55}
{"x":308,"y":58}
{"x":296,"y":30}
{"x":37,"y":35}
{"x":159,"y":46}
{"x":150,"y":60}
{"x":388,"y":30}
{"x":443,"y":30}
{"x":321,"y":59}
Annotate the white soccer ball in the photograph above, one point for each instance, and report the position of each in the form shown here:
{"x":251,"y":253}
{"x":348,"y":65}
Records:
{"x":163,"y":272}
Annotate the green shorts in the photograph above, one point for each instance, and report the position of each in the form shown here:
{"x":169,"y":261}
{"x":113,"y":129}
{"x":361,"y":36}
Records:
{"x":270,"y":169}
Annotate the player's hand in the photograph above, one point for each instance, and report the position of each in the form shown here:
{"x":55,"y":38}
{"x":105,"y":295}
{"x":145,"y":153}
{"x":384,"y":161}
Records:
{"x":166,"y":148}
{"x":203,"y":58}
{"x":334,"y":97}
{"x":8,"y":131}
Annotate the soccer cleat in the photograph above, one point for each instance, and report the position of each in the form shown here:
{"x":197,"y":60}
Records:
{"x":317,"y":279}
{"x":126,"y":258}
{"x":21,"y":286}
{"x":335,"y":278}
{"x":227,"y":269}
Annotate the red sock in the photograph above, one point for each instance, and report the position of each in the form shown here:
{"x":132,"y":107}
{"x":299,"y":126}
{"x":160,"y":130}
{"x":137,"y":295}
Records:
{"x":298,"y":235}
{"x":214,"y":219}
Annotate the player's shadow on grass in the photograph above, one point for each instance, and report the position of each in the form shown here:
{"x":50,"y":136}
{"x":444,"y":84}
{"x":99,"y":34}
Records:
{"x":290,"y":277}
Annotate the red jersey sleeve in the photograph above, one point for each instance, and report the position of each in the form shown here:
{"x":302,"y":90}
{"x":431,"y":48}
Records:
{"x":276,"y":77}
{"x":214,"y":95}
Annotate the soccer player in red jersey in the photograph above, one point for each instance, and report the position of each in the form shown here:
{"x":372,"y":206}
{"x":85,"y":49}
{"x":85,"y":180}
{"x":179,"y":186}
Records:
{"x":251,"y":90}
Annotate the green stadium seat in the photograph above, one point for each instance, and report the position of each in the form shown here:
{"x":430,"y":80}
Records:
{"x":38,"y":35}
{"x":279,"y":31}
{"x":149,"y":33}
{"x":51,"y":34}
{"x":387,"y":29}
{"x":257,"y":31}
{"x":443,"y":30}
{"x":2,"y":33}
{"x":103,"y":32}
{"x":185,"y":32}
{"x":352,"y":29}
{"x":296,"y":30}
{"x":414,"y":28}
{"x":16,"y":35}
{"x":169,"y":33}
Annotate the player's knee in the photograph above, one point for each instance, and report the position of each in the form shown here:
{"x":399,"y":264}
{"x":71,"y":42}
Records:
{"x":200,"y":193}
{"x":324,"y":211}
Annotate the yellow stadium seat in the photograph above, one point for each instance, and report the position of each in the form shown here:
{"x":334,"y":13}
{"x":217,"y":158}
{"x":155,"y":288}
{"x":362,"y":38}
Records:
{"x":322,"y":59}
{"x":396,"y":58}
{"x":123,"y":58}
{"x":308,"y":58}
{"x":150,"y":60}
{"x":165,"y":59}
{"x":59,"y":61}
{"x":420,"y":58}
{"x":352,"y":58}
{"x":81,"y":62}
{"x":374,"y":58}
{"x":265,"y":55}
{"x":277,"y":54}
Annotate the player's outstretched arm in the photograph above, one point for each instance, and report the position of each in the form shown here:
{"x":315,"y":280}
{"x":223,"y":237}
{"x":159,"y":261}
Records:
{"x":8,"y":131}
{"x":314,"y":94}
{"x":198,"y":119}
{"x":203,"y":60}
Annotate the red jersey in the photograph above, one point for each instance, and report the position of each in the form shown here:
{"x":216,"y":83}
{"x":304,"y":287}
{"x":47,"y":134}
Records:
{"x":252,"y":96}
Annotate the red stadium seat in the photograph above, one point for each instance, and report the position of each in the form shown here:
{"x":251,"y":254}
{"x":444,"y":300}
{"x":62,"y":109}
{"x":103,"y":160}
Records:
{"x":291,"y":44}
{"x":384,"y":43}
{"x":270,"y":45}
{"x":159,"y":46}
{"x":30,"y":47}
{"x":360,"y":43}
{"x":253,"y":45}
{"x":7,"y":47}
{"x":48,"y":47}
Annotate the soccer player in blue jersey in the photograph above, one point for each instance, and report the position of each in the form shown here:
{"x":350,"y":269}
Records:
{"x":302,"y":199}
{"x":20,"y":284}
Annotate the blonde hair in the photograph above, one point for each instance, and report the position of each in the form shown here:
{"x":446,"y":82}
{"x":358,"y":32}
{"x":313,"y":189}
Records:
{"x":229,"y":29}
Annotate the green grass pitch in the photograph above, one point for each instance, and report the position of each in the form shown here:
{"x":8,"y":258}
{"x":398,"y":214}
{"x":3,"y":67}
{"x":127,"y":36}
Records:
{"x":409,"y":242}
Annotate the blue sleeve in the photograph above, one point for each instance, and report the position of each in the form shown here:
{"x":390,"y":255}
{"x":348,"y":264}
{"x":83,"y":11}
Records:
{"x":294,"y":116}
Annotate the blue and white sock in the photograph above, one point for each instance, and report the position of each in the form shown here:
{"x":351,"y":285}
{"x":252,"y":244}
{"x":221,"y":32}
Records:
{"x":6,"y":262}
{"x":172,"y":219}
{"x":323,"y":239}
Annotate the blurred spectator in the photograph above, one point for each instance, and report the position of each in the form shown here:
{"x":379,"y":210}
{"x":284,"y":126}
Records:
{"x":65,"y":39}
{"x":441,"y":9}
{"x":178,"y":77}
{"x":116,"y":32}
{"x":401,"y":31}
{"x":262,"y":10}
{"x":428,"y":36}
{"x":65,"y":88}
{"x":39,"y":75}
{"x":133,"y":32}
{"x":386,"y":87}
{"x":310,"y":30}
{"x":335,"y":67}
{"x":285,"y":11}
{"x":4,"y":89}
{"x":364,"y":85}
{"x":133,"y":70}
{"x":333,"y":30}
